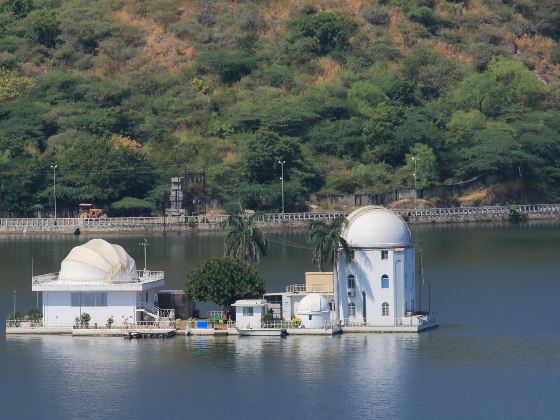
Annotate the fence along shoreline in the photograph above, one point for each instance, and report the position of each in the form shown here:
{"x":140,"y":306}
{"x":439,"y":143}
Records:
{"x":180,"y":223}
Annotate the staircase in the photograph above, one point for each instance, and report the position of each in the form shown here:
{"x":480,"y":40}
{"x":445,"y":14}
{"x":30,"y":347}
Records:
{"x":152,"y":310}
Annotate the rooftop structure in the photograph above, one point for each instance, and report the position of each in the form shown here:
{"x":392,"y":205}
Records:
{"x":376,"y":227}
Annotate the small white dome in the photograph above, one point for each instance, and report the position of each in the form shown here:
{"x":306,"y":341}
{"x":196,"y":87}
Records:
{"x":97,"y":261}
{"x":313,"y":304}
{"x":374,"y":227}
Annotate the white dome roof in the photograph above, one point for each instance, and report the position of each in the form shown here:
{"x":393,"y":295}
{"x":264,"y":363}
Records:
{"x":97,"y":261}
{"x":375,"y":226}
{"x":313,"y":303}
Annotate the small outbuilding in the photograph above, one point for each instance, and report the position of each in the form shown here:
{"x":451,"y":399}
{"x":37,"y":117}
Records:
{"x":314,"y":311}
{"x":249,"y":312}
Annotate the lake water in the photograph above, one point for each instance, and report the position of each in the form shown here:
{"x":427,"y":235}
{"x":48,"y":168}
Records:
{"x":496,"y":354}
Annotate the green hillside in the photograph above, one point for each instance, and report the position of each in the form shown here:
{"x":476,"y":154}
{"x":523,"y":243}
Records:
{"x":124,"y":94}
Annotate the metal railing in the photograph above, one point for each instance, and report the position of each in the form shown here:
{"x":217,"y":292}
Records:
{"x":162,"y":324}
{"x":118,"y":278}
{"x":302,"y":288}
{"x":265,"y":218}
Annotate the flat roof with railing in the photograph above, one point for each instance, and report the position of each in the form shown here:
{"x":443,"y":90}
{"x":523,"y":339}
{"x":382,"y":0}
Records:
{"x":146,"y":280}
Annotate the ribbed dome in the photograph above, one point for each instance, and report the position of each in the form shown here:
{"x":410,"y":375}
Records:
{"x":97,"y":261}
{"x":374,"y":227}
{"x":313,"y":303}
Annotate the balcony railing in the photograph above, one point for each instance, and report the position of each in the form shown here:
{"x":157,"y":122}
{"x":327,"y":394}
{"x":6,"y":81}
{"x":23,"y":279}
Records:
{"x":302,"y":288}
{"x":119,"y":278}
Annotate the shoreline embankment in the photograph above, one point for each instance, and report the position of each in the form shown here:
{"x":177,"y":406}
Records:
{"x":268,"y":221}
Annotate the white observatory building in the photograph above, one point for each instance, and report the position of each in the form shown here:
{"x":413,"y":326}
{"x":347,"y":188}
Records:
{"x":100,"y":279}
{"x":376,"y":289}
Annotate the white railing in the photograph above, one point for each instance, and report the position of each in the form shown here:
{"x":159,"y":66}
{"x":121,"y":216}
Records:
{"x":118,"y":278}
{"x":165,"y":324}
{"x":215,"y":314}
{"x":44,"y":278}
{"x":302,"y":288}
{"x":147,"y":275}
{"x":265,"y":218}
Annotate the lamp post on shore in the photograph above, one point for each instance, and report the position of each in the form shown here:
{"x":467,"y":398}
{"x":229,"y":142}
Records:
{"x":53,"y":167}
{"x":282,"y":179}
{"x":144,"y":244}
{"x":414,"y":174}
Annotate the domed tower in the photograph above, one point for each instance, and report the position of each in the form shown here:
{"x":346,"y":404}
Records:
{"x":377,"y":286}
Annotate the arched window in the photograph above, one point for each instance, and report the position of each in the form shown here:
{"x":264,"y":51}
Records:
{"x":384,"y":281}
{"x":351,"y":281}
{"x":385,"y":309}
{"x":351,"y":310}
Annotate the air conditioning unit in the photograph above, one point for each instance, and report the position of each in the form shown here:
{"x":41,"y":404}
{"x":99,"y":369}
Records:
{"x":351,"y":292}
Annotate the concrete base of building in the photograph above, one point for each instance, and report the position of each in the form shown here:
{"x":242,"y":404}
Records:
{"x":389,"y":328}
{"x":209,"y":331}
{"x":40,"y":330}
{"x":97,"y":332}
{"x":314,"y":331}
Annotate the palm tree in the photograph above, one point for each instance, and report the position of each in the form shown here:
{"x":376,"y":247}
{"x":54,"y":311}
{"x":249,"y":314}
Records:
{"x":244,"y":241}
{"x":328,"y":240}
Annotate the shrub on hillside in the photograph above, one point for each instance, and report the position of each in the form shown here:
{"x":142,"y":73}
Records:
{"x":130,"y":206}
{"x":230,"y":65}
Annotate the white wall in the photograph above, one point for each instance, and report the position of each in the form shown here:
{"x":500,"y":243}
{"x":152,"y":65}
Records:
{"x":57,"y":309}
{"x":368,"y":268}
{"x":248,"y":321}
{"x":317,"y":320}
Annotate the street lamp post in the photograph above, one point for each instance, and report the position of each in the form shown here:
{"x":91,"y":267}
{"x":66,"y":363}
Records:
{"x":53,"y":167}
{"x":282,"y":179}
{"x":14,"y":313}
{"x":414,"y":174}
{"x":145,"y":244}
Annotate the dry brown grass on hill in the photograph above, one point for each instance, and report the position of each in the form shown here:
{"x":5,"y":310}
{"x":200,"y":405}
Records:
{"x":328,"y":71}
{"x":450,"y":51}
{"x":410,"y":204}
{"x":161,"y":48}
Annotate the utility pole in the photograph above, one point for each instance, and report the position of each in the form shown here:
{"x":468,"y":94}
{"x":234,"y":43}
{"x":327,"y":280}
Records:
{"x":415,"y":159}
{"x":282,"y":179}
{"x":53,"y":167}
{"x":145,"y":244}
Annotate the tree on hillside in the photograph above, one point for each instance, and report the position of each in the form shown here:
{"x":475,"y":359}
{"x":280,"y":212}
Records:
{"x":223,"y":281}
{"x":327,"y":240}
{"x":420,"y":160}
{"x":244,"y":241}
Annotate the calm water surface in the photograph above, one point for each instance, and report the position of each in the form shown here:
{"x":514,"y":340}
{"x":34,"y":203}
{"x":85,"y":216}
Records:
{"x":496,"y":290}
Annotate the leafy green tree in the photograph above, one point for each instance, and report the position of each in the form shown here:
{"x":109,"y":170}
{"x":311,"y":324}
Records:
{"x":328,"y":241}
{"x":45,"y":27}
{"x":327,"y":30}
{"x":244,"y":240}
{"x":224,"y":281}
{"x":230,"y":65}
{"x":101,"y":171}
{"x":18,"y":8}
{"x":130,"y":206}
{"x":12,"y":85}
{"x":506,"y":86}
{"x":265,"y":149}
{"x":426,"y":167}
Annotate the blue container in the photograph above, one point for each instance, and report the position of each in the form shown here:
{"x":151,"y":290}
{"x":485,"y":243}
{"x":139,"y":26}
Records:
{"x":201,"y":324}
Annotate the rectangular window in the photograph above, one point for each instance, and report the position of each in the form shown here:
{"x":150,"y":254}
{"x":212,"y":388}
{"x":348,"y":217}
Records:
{"x":384,"y":282}
{"x":384,"y":255}
{"x":89,"y":299}
{"x":247,"y":311}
